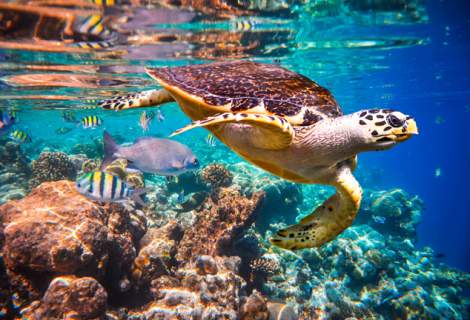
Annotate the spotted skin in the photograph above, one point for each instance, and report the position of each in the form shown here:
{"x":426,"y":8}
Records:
{"x":328,"y":220}
{"x":383,"y":122}
{"x":245,"y":86}
{"x":136,"y":100}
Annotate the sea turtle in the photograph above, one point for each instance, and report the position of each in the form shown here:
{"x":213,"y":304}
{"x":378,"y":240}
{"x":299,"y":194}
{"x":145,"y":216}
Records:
{"x":284,"y":123}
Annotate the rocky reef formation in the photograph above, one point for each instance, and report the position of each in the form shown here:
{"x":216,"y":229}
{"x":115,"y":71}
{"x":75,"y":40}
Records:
{"x":52,"y":166}
{"x":14,"y":172}
{"x":55,"y":231}
{"x":66,"y":257}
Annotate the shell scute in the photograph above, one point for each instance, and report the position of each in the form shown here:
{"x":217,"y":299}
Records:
{"x":243,"y":85}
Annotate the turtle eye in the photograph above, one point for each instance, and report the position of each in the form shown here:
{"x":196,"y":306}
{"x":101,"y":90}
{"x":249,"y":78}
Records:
{"x":394,"y":121}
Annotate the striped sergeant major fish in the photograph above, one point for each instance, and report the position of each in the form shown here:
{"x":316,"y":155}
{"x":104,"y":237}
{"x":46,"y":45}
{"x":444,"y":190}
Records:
{"x":91,"y":122}
{"x":20,"y":136}
{"x":105,"y":3}
{"x":105,"y":187}
{"x":244,"y":25}
{"x":93,"y":25}
{"x":210,"y":140}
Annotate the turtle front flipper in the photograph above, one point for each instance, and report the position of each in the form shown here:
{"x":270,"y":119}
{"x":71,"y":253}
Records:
{"x":268,"y":131}
{"x":328,"y":220}
{"x":137,"y":100}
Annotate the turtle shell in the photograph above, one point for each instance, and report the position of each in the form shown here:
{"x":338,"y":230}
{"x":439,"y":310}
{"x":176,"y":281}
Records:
{"x":238,"y":86}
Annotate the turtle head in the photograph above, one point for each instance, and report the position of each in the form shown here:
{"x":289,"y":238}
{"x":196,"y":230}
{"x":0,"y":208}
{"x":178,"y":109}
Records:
{"x":384,"y":128}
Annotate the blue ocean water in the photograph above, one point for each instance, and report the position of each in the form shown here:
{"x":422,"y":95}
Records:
{"x":412,"y":56}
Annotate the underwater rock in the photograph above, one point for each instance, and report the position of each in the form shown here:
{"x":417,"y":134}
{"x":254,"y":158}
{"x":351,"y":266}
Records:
{"x":190,"y":294}
{"x":52,"y":166}
{"x":14,"y":172}
{"x":69,"y":297}
{"x":225,"y":221}
{"x":281,"y":311}
{"x":55,"y":230}
{"x":156,"y":256}
{"x":254,"y":308}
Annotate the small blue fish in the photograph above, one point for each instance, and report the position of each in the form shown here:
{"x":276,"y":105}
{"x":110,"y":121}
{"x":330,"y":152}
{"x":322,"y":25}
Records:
{"x":379,"y":219}
{"x":7,"y":119}
{"x":160,"y":116}
{"x":20,"y":136}
{"x":105,"y":187}
{"x":91,"y":122}
{"x":210,"y":140}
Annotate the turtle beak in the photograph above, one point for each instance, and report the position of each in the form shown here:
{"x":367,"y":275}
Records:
{"x":405,"y":132}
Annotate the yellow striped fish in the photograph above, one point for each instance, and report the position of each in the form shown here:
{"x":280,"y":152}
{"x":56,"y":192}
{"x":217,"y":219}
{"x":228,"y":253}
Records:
{"x":20,"y":136}
{"x":244,"y":25}
{"x":93,"y":25}
{"x":91,"y":122}
{"x":210,"y":140}
{"x":105,"y":187}
{"x":104,"y":3}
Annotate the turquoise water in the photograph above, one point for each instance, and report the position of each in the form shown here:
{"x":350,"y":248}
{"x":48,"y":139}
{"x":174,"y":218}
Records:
{"x":407,"y":55}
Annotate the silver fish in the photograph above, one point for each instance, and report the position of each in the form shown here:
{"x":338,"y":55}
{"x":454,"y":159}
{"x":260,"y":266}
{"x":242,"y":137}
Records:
{"x":152,"y":155}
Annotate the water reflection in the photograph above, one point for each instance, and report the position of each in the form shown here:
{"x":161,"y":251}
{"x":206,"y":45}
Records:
{"x":95,"y":46}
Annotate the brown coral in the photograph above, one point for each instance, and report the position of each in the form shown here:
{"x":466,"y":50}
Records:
{"x":52,"y":166}
{"x":224,"y":221}
{"x":217,"y":175}
{"x":69,"y":297}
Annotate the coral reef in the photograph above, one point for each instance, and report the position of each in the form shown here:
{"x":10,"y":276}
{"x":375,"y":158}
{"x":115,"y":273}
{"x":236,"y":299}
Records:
{"x":14,"y":172}
{"x":52,"y":166}
{"x":56,"y":231}
{"x":66,"y":257}
{"x":365,"y":274}
{"x":380,"y":210}
{"x":217,"y":176}
{"x":225,"y":220}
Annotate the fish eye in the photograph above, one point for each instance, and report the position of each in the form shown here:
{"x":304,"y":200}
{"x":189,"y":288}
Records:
{"x":196,"y":162}
{"x":394,"y":121}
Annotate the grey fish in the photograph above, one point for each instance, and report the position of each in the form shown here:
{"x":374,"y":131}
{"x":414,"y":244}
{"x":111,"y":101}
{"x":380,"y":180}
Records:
{"x":152,"y":155}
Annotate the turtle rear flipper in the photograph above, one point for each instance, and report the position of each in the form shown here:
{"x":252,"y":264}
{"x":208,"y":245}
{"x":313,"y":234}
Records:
{"x":137,"y":100}
{"x":269,"y":131}
{"x":328,"y":220}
